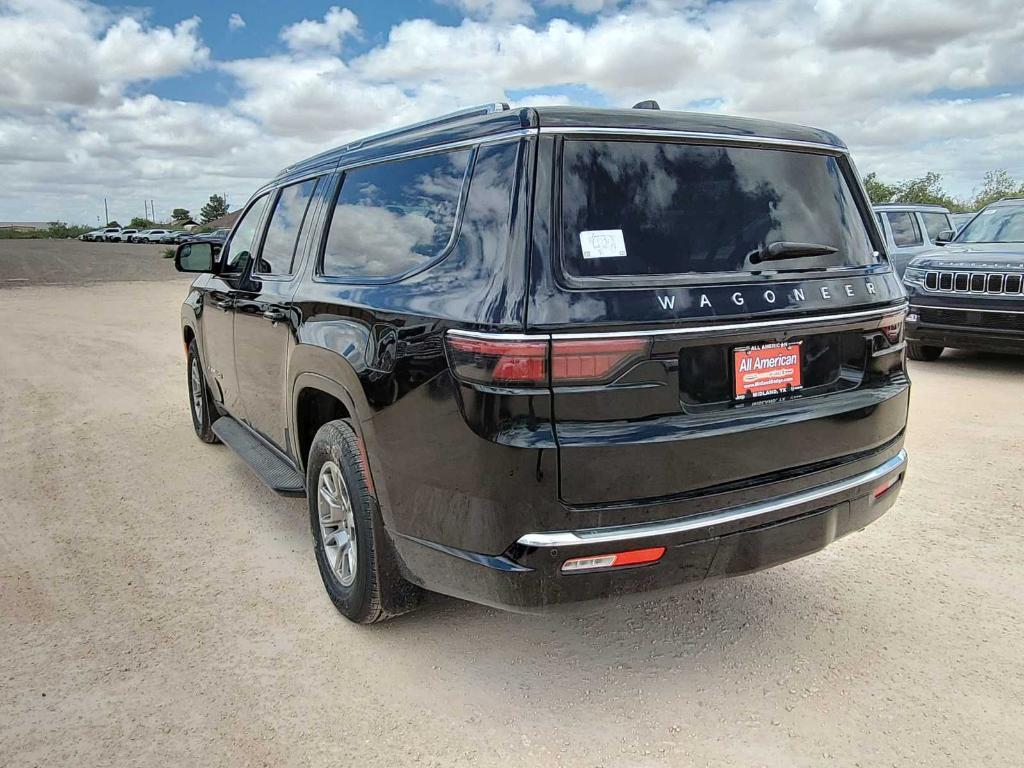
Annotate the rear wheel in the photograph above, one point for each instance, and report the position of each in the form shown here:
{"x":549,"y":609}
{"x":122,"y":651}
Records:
{"x":199,"y":397}
{"x":923,"y":352}
{"x":348,"y":535}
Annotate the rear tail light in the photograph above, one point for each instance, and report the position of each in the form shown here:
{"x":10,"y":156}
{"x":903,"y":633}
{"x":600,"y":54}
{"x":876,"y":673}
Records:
{"x":593,"y":360}
{"x":496,"y":361}
{"x":614,"y":560}
{"x":523,"y":362}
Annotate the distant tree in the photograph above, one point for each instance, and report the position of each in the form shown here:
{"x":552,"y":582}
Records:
{"x":878,"y":191}
{"x":113,"y":223}
{"x":140,"y":223}
{"x":62,"y":229}
{"x":996,"y":185}
{"x":180,"y":214}
{"x":925,"y":189}
{"x":214,"y":209}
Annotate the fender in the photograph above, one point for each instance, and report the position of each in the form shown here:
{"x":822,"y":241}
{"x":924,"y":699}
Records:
{"x":326,"y":370}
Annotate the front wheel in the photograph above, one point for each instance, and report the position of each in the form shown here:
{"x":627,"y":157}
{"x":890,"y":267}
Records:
{"x":923,"y":352}
{"x":199,"y":397}
{"x":348,"y":536}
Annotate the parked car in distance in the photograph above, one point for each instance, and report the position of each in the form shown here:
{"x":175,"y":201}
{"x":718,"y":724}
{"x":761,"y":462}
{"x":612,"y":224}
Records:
{"x":537,"y":356}
{"x":912,"y":228}
{"x":100,"y":235}
{"x":151,"y":235}
{"x":124,"y":236}
{"x":960,"y":219}
{"x":970,"y":294}
{"x":216,"y":236}
{"x":174,"y":237}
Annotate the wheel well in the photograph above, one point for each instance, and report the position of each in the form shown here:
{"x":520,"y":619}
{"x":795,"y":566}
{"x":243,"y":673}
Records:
{"x":314,"y":409}
{"x":189,"y":335}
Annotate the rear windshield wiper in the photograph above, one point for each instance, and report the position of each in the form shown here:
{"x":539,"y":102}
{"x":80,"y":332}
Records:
{"x":785,"y":250}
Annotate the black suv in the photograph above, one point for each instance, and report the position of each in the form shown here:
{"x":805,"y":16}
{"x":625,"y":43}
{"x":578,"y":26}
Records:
{"x":970,"y":294}
{"x":535,"y":356}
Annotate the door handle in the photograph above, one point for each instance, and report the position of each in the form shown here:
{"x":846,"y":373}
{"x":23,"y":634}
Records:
{"x":225,"y":305}
{"x":275,"y":315}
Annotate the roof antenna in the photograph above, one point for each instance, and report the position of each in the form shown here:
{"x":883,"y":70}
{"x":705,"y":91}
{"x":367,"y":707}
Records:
{"x":648,"y":104}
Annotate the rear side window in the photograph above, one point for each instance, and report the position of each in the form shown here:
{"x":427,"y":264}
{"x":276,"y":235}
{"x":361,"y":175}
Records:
{"x":905,"y":231}
{"x":639,"y":209}
{"x":278,"y":252}
{"x":394,"y":217}
{"x":935,"y":223}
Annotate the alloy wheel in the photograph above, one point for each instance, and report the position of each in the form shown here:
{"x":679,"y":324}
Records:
{"x":337,"y":523}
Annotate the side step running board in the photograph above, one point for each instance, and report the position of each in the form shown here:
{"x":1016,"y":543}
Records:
{"x":272,"y":468}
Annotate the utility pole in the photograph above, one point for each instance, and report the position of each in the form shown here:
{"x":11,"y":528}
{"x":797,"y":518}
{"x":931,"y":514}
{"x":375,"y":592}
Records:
{"x":106,"y":215}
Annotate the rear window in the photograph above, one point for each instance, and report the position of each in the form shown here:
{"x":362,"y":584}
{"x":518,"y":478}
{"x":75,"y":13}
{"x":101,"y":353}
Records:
{"x":653,"y":209}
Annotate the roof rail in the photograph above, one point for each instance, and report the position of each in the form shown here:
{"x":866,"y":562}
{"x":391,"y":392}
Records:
{"x":482,"y":109}
{"x":1010,"y":197}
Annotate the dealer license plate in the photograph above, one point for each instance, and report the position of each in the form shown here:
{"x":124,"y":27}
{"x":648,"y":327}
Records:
{"x":766,"y":370}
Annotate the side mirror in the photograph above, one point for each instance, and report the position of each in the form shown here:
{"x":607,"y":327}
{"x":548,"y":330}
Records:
{"x":945,"y":236}
{"x":194,"y":257}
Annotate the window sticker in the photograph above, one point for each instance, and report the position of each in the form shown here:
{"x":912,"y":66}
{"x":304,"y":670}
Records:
{"x":603,"y":244}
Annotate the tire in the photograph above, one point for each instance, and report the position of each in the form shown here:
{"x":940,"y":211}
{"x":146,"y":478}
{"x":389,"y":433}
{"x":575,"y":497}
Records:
{"x":923,"y":352}
{"x":360,"y":579}
{"x":201,"y":405}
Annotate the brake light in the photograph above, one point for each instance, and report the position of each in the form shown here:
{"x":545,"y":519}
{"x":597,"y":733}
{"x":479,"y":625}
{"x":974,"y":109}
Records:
{"x":524,"y":362}
{"x":615,"y":560}
{"x":495,"y":361}
{"x":593,"y":360}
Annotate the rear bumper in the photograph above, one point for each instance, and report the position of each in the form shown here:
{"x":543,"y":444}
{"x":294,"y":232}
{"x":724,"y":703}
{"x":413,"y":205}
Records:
{"x":721,"y":543}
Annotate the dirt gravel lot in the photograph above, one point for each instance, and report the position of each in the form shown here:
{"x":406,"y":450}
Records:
{"x":70,"y":262}
{"x":158,"y":606}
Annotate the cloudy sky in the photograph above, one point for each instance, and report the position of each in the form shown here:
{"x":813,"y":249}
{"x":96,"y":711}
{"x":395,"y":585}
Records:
{"x":175,"y":101}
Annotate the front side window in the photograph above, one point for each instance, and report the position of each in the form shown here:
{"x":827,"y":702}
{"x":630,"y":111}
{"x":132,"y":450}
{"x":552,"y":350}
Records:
{"x":394,"y":217}
{"x":935,"y":223}
{"x":278,"y":252}
{"x":995,"y":225}
{"x":239,"y":247}
{"x":646,"y":209}
{"x":905,"y":231}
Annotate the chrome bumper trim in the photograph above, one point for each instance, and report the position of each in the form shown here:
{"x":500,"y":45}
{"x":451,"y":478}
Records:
{"x":625,"y":533}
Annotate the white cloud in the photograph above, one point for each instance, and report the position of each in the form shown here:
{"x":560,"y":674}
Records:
{"x":497,"y":10}
{"x":58,"y":53}
{"x":235,"y":21}
{"x":324,"y":35}
{"x":911,"y":85}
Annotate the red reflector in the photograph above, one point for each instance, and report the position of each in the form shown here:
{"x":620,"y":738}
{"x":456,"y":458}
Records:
{"x":885,"y":487}
{"x":892,"y":326}
{"x":615,"y":560}
{"x":593,"y":359}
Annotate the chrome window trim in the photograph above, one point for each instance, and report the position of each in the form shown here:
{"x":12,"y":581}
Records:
{"x":685,"y":330}
{"x":613,"y":535}
{"x":718,"y":138}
